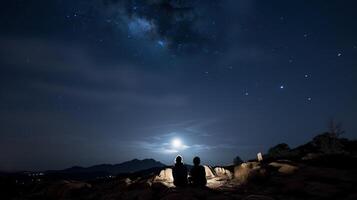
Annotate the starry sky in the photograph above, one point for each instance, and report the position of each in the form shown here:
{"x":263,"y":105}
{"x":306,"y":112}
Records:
{"x":104,"y":81}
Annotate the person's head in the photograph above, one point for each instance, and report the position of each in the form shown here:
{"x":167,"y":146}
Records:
{"x":196,"y":160}
{"x":178,"y":159}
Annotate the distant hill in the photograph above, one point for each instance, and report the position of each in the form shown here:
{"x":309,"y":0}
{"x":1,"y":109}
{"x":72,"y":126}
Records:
{"x":112,"y":169}
{"x":326,"y":150}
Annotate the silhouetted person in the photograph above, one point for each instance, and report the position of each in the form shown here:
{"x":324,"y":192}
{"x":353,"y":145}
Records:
{"x":198,"y":174}
{"x":179,"y":172}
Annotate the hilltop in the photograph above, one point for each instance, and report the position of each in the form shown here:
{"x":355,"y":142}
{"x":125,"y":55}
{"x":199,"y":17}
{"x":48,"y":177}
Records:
{"x":324,"y":168}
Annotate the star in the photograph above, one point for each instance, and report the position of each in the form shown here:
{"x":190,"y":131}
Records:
{"x":246,"y":93}
{"x":282,"y":87}
{"x":309,"y":98}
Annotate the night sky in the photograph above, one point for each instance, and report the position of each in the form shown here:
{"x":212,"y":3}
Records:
{"x":104,"y":81}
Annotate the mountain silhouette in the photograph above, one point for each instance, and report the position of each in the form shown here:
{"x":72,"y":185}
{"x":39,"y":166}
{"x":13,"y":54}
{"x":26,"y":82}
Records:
{"x":112,"y":169}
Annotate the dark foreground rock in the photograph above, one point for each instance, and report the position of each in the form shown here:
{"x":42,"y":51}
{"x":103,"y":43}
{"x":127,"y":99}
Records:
{"x":281,"y":179}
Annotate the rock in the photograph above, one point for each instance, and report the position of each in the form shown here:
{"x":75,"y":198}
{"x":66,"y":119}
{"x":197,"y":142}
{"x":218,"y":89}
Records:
{"x":249,"y":171}
{"x":165,"y":175}
{"x":209,"y":172}
{"x":223,"y":173}
{"x":284,"y":168}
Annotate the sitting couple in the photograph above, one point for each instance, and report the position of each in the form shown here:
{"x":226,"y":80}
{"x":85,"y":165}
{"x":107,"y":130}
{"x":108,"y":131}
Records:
{"x":197,"y":173}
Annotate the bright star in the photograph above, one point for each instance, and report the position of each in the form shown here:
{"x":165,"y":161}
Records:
{"x":282,"y":87}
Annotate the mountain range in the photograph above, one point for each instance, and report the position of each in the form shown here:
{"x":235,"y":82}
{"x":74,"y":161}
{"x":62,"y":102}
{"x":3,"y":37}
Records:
{"x":111,"y":169}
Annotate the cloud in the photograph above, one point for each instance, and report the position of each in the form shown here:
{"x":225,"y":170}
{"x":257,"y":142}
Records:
{"x":68,"y":70}
{"x":166,"y":148}
{"x":161,"y":144}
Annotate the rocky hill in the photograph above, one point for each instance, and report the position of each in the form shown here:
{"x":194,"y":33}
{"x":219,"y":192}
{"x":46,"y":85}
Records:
{"x":316,"y":170}
{"x":103,"y":170}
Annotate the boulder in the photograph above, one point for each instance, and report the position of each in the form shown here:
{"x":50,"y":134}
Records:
{"x":284,"y":168}
{"x":249,"y":171}
{"x":209,"y":172}
{"x":165,"y":175}
{"x":223,"y":173}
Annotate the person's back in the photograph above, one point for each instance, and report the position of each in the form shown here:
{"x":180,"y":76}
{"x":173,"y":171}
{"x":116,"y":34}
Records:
{"x":198,"y":174}
{"x":179,"y":173}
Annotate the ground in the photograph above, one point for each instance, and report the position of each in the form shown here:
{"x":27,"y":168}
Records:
{"x":251,"y":180}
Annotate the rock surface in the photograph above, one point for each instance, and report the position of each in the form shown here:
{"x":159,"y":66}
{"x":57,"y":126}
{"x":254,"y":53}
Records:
{"x":251,"y":181}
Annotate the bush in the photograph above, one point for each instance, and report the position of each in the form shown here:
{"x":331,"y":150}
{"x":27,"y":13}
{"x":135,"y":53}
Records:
{"x":279,"y":150}
{"x":328,"y":143}
{"x":237,"y":160}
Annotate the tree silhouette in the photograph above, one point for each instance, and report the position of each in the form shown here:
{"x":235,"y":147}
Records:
{"x":335,"y":128}
{"x":237,"y":160}
{"x":279,"y":150}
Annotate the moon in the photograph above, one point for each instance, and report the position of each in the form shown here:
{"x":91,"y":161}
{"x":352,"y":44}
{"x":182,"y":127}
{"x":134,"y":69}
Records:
{"x":176,"y":143}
